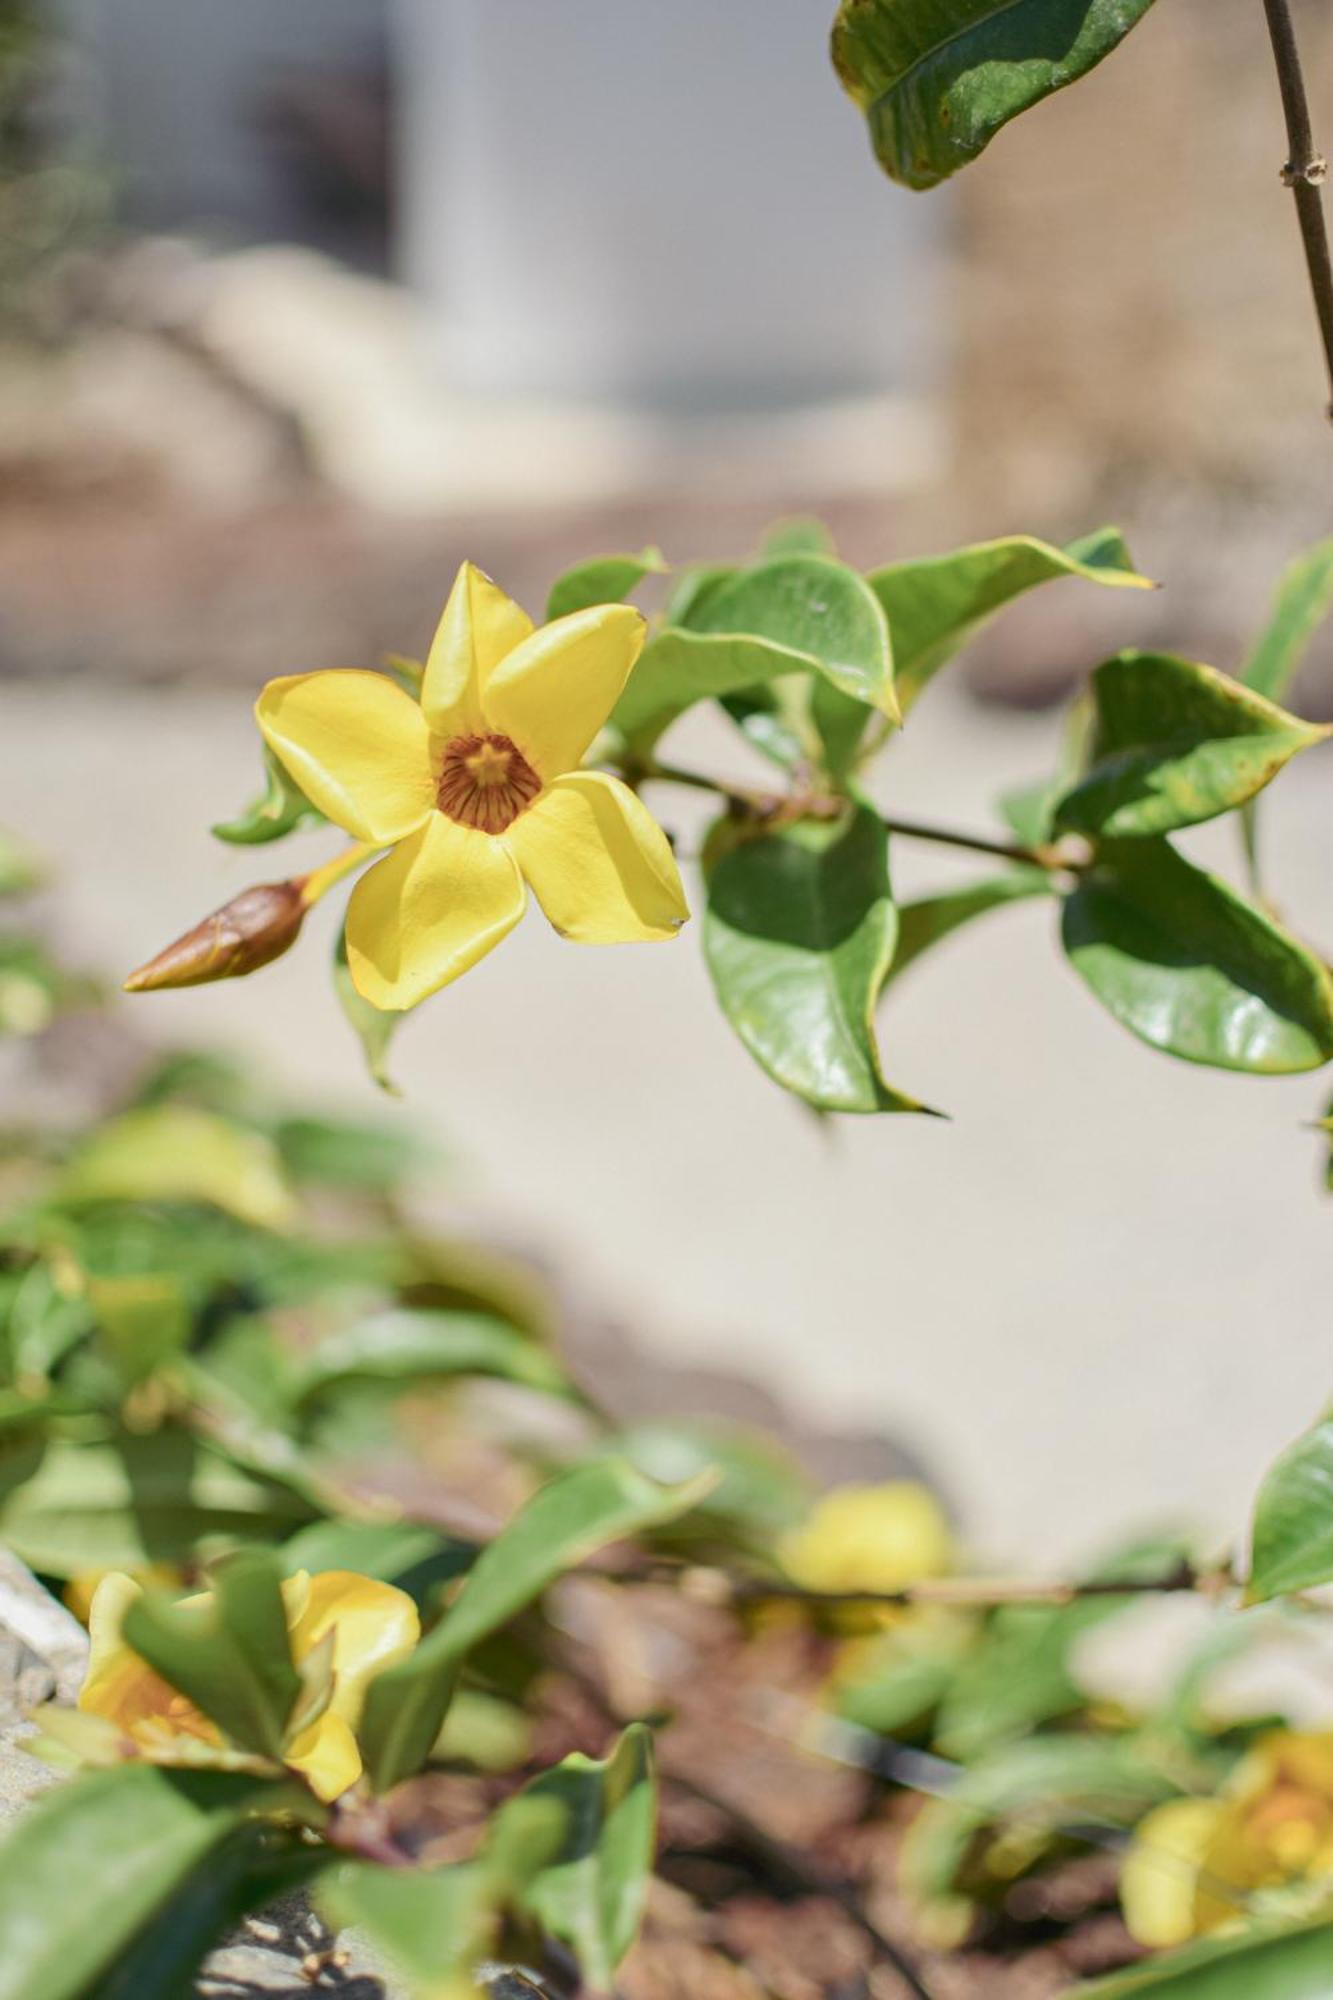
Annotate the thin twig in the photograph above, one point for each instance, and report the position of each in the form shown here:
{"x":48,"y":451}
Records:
{"x":982,"y":1593}
{"x":1305,"y":170}
{"x":782,"y":807}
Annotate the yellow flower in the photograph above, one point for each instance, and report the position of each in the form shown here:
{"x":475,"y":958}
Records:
{"x":873,"y":1538}
{"x":373,"y":1624}
{"x":1197,"y":1864}
{"x":477,"y":791}
{"x":82,"y":1587}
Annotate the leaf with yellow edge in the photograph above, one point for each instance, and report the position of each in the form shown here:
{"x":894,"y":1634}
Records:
{"x":176,"y":1153}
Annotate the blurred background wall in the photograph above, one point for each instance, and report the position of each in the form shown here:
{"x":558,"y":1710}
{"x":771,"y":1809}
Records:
{"x":302,"y":300}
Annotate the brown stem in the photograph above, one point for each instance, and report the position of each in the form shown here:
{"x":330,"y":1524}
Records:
{"x":781,"y":806}
{"x":973,"y":1592}
{"x":1305,"y":171}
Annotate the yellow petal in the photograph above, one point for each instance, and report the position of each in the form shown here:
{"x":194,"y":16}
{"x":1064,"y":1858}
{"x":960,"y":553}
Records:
{"x":327,"y":1756}
{"x":113,"y":1669}
{"x":356,"y":745}
{"x":373,"y":1624}
{"x":428,"y":911}
{"x":552,"y":694}
{"x":598,"y":862}
{"x":1159,"y":1882}
{"x":479,"y":627}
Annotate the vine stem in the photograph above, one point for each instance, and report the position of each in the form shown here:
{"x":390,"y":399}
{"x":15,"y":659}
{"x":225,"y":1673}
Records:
{"x":780,"y":807}
{"x":1305,"y":170}
{"x":975,"y":1592}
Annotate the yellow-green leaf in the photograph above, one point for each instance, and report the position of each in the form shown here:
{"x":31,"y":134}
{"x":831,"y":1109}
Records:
{"x":175,"y":1153}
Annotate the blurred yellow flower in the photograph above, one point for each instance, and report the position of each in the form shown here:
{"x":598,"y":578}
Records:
{"x":82,"y":1587}
{"x":1197,"y":1864}
{"x":477,"y":791}
{"x":373,"y":1624}
{"x":872,"y":1538}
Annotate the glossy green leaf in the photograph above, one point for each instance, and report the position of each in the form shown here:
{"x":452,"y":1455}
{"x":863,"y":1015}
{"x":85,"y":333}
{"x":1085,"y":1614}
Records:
{"x":1175,"y":743}
{"x":748,"y":628}
{"x":1046,"y":1783}
{"x":373,"y":1027}
{"x":175,"y":1153}
{"x":159,"y":1496}
{"x":416,"y":1558}
{"x":1294,"y":1963}
{"x":587,"y":1831}
{"x":799,"y":935}
{"x":120,"y":1843}
{"x":602,"y":580}
{"x":561,"y":1526}
{"x":1304,"y":600}
{"x":1292,"y":1547}
{"x":937,"y":79}
{"x":934,"y":606}
{"x":1187,"y":965}
{"x":923,"y":924}
{"x":409,"y":1346}
{"x":432,"y":1925}
{"x":227,"y":1652}
{"x":280,"y":809}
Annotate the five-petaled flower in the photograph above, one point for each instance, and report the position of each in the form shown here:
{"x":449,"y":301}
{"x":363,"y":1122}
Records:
{"x":477,"y":791}
{"x":373,"y":1625}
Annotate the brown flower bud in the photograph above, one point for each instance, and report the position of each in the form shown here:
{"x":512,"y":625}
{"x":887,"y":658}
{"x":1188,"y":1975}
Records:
{"x":251,"y":930}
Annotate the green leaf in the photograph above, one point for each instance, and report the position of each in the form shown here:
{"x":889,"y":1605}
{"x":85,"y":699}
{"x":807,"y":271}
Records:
{"x":602,"y":580}
{"x":749,"y":628}
{"x":433,"y":1925}
{"x":761,"y":1487}
{"x":799,"y":536}
{"x":336,"y":1152}
{"x":176,"y":1153}
{"x":799,"y":935}
{"x":1046,"y":1783}
{"x":922,"y":924}
{"x":1294,"y":1963}
{"x":1187,"y":965}
{"x":143,"y":1318}
{"x":1304,"y":599}
{"x":227,"y":1653}
{"x":1175,"y":743}
{"x":593,"y":1825}
{"x":122,"y":1842}
{"x":280,"y":809}
{"x":561,"y":1526}
{"x":415,"y":1346}
{"x":935,"y":606}
{"x":416,"y":1558}
{"x":159,"y":1496}
{"x":373,"y":1027}
{"x":1292,"y":1545}
{"x":937,"y":79}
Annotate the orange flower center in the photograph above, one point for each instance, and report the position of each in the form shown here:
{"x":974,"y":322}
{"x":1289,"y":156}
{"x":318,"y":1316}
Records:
{"x":485,"y":782}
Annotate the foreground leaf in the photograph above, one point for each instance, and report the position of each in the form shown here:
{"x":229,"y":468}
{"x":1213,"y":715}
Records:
{"x":937,"y":79}
{"x":1304,"y":600}
{"x":373,"y":1028}
{"x":433,"y":1925}
{"x":280,"y":809}
{"x":1175,"y":743}
{"x":586,"y":1831}
{"x":1260,"y":1964}
{"x":1187,"y":965}
{"x":799,"y":935}
{"x":561,"y":1526}
{"x":935,"y":606}
{"x":111,"y":1849}
{"x":602,"y":580}
{"x":231,"y":1656}
{"x":1292,"y":1545}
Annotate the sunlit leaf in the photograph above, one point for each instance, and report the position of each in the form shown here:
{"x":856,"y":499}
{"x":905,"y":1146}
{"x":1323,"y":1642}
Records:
{"x":799,"y":935}
{"x":1175,"y":743}
{"x":417,"y":1346}
{"x":433,"y":1925}
{"x":935,"y":605}
{"x":1304,"y":600}
{"x":372,"y":1026}
{"x":175,"y":1153}
{"x":1187,"y":965}
{"x":923,"y":924}
{"x":1265,"y":1962}
{"x":1292,"y":1547}
{"x":602,"y":580}
{"x":937,"y":79}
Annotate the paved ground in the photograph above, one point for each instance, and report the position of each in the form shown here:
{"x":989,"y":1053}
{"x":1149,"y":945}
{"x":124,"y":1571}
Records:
{"x":1097,"y":1293}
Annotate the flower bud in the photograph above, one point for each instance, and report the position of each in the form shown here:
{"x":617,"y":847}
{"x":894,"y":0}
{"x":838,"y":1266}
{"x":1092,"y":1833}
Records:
{"x":251,"y":930}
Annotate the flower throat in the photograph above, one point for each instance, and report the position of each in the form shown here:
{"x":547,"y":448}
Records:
{"x":485,"y":782}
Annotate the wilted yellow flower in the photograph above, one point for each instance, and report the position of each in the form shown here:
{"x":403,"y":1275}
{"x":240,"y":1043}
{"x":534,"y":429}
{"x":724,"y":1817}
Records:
{"x":373,"y":1624}
{"x":1196,"y":1864}
{"x":478,"y":792}
{"x":871,"y":1538}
